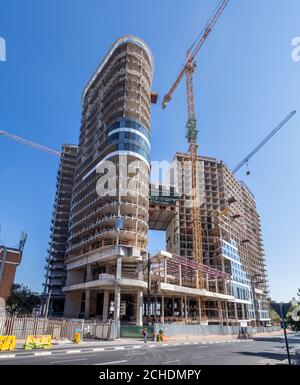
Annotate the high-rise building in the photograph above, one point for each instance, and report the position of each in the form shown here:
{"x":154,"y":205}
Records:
{"x":111,"y":210}
{"x":109,"y":216}
{"x":231,"y":235}
{"x":55,"y":270}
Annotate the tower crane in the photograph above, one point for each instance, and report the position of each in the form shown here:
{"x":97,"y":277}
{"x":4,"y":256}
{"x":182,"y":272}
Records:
{"x":188,"y":71}
{"x":191,"y":136}
{"x":263,"y":142}
{"x":29,"y":143}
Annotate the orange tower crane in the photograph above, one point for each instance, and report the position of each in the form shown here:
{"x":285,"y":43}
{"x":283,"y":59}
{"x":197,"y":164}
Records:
{"x":192,"y":132}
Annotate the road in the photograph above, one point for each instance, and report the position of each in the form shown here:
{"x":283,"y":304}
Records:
{"x":260,"y":351}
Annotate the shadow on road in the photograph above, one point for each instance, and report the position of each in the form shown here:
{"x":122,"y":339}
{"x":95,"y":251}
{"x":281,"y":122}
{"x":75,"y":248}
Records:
{"x":276,"y":339}
{"x":269,"y":355}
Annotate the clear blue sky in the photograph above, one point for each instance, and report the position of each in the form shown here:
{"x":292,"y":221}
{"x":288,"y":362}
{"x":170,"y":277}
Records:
{"x":245,"y":84}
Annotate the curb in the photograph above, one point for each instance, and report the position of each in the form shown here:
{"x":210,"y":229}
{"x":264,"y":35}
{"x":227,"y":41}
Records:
{"x":149,"y":345}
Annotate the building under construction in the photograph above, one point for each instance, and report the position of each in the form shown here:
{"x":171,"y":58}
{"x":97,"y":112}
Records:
{"x":234,"y":284}
{"x":212,"y":270}
{"x":55,"y":269}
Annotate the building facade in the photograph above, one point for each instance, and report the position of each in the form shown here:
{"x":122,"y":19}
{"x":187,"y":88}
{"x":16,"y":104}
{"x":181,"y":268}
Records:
{"x":55,"y":269}
{"x":109,"y":216}
{"x":10,"y":258}
{"x":105,"y":270}
{"x":231,"y":237}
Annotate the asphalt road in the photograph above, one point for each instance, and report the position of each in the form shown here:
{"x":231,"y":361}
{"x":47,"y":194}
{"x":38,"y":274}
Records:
{"x":260,"y":351}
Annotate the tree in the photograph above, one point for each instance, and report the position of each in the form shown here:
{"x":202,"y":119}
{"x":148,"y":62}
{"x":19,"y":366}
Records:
{"x":295,"y":325}
{"x":275,"y":319}
{"x":21,"y":301}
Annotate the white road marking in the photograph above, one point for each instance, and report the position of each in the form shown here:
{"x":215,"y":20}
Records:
{"x":43,"y":354}
{"x":111,"y":362}
{"x":73,"y":351}
{"x":169,"y":362}
{"x":98,"y":349}
{"x":7,"y":355}
{"x":71,"y":360}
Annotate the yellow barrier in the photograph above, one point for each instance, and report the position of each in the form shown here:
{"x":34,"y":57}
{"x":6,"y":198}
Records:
{"x":77,"y":338}
{"x":7,"y":343}
{"x":38,"y":342}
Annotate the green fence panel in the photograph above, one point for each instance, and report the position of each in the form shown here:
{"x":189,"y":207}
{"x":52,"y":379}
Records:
{"x":133,"y":331}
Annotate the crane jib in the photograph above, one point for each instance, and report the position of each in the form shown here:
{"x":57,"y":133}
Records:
{"x":263,"y":142}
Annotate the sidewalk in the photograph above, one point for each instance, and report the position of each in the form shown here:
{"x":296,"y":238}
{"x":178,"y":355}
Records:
{"x":124,"y":343}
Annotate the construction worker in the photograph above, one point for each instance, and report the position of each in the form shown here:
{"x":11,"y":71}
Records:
{"x":145,"y":334}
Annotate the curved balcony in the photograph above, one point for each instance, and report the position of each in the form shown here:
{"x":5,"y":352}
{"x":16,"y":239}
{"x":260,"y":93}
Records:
{"x":111,"y":220}
{"x":128,"y":234}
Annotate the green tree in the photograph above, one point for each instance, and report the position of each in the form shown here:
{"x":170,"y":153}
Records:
{"x":21,"y":301}
{"x":275,"y":319}
{"x":295,"y":325}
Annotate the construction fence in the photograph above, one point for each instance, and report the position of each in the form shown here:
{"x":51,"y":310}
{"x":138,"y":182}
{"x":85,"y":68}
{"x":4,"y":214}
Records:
{"x":176,"y":330}
{"x":58,"y":329}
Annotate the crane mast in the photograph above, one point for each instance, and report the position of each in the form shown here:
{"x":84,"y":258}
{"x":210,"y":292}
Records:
{"x":191,"y":136}
{"x":191,"y":126}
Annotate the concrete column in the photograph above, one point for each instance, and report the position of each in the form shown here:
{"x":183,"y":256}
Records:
{"x":139,"y":308}
{"x":89,"y":273}
{"x":165,"y":270}
{"x":207,"y":283}
{"x":140,"y":271}
{"x":72,"y":304}
{"x":235,"y":312}
{"x":220,"y":315}
{"x":226,"y":312}
{"x":225,"y":286}
{"x":162,"y":317}
{"x":197,"y":279}
{"x":180,"y":277}
{"x":173,"y":307}
{"x":181,"y":308}
{"x":87,"y":304}
{"x":185,"y":308}
{"x":243,"y":311}
{"x":105,"y":305}
{"x":119,"y":268}
{"x":216,"y":283}
{"x":117,"y":303}
{"x":199,"y":310}
{"x":223,"y":265}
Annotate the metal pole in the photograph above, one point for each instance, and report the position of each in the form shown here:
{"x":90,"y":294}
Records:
{"x":148,"y":294}
{"x":254,"y":303}
{"x":48,"y":303}
{"x":2,"y":265}
{"x":285,"y":335}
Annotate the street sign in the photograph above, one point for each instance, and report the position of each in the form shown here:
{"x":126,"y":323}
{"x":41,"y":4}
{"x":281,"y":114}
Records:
{"x":281,"y":308}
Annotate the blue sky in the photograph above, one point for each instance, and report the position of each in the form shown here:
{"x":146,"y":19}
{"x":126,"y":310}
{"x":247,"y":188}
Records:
{"x":245,"y":84}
